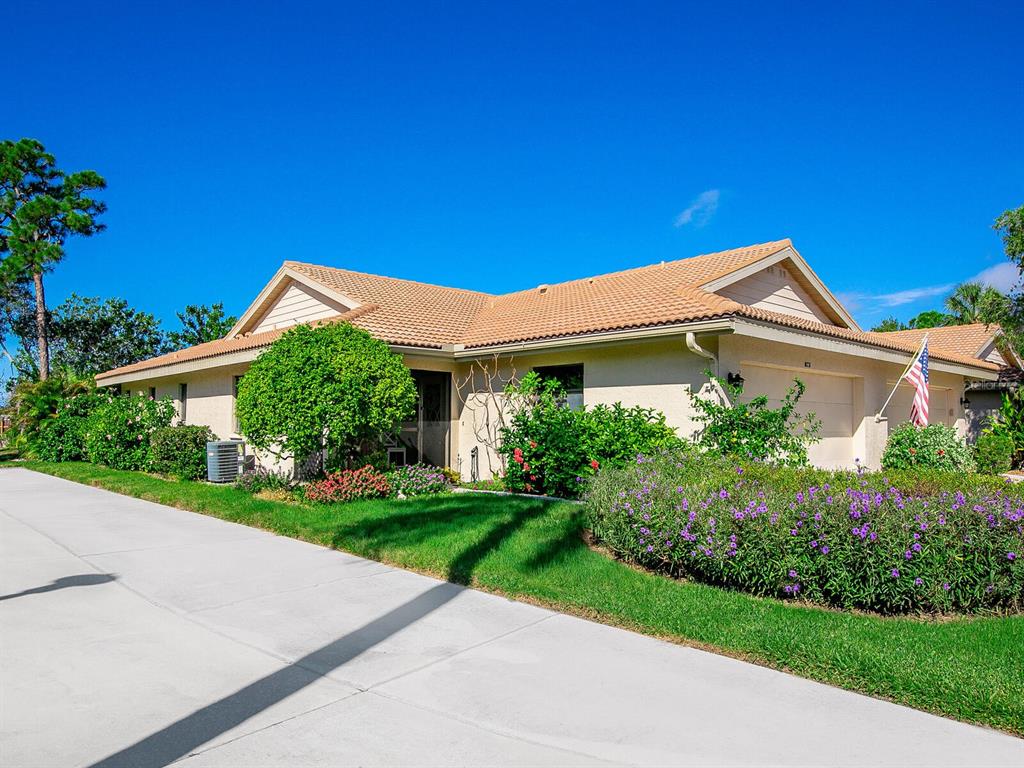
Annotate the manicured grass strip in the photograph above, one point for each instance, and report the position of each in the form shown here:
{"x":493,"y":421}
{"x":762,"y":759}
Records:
{"x":972,"y":670}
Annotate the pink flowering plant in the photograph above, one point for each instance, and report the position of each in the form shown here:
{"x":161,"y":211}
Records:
{"x":118,"y":431}
{"x":886,"y":542}
{"x":550,"y":448}
{"x":348,"y":485}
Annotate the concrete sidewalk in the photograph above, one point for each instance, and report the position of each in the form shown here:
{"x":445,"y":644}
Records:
{"x":135,"y":634}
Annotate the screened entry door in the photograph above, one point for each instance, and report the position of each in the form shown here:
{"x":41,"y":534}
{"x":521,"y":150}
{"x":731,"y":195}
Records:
{"x":427,"y":436}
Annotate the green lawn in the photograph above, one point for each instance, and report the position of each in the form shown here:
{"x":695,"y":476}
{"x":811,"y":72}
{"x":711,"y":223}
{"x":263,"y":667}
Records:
{"x":972,"y":670}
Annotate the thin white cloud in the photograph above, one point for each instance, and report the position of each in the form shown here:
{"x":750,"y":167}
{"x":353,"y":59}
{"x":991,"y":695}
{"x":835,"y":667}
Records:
{"x":1003,"y":277}
{"x":899,"y":298}
{"x":700,"y":211}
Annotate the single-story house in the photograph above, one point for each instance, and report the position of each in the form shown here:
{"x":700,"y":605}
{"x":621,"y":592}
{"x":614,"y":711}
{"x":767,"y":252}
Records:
{"x":643,"y":336}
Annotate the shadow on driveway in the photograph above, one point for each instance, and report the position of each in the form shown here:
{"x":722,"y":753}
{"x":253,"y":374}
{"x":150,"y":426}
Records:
{"x":81,"y":580}
{"x":181,"y":737}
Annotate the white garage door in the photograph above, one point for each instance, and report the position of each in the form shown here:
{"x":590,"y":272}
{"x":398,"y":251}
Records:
{"x":830,"y":398}
{"x":938,"y":405}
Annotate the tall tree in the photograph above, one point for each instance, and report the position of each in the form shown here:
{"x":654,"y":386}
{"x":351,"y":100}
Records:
{"x":41,"y":206}
{"x":200,"y":324}
{"x":89,"y":335}
{"x":976,"y":303}
{"x":1010,"y":225}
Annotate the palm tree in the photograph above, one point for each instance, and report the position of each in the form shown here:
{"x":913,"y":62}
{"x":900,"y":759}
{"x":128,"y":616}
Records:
{"x":976,"y":303}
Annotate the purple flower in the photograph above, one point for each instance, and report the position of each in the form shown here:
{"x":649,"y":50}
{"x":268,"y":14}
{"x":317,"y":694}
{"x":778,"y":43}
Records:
{"x":919,"y":581}
{"x":895,"y":573}
{"x":908,"y":554}
{"x":824,"y":550}
{"x":723,"y":494}
{"x":945,"y":586}
{"x":792,"y":574}
{"x":1011,"y":555}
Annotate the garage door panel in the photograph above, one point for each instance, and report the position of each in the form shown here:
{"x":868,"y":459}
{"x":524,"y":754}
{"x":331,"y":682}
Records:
{"x":829,"y":398}
{"x":939,"y":400}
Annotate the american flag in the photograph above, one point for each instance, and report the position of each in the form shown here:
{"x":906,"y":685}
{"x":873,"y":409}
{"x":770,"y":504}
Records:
{"x":917,"y":375}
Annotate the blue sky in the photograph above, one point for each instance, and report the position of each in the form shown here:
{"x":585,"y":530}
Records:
{"x":499,"y":146}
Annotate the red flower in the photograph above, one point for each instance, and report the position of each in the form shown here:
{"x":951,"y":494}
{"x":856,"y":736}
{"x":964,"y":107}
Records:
{"x":941,"y":452}
{"x":594,"y":464}
{"x":526,"y":467}
{"x":529,"y":488}
{"x":533,"y":444}
{"x":533,"y":477}
{"x":913,"y":451}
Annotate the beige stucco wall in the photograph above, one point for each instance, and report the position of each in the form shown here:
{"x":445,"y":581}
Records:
{"x":653,"y":374}
{"x":873,"y":380}
{"x":656,"y":373}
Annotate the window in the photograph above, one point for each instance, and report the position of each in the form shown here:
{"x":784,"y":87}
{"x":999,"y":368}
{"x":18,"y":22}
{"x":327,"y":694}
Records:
{"x":234,"y":403}
{"x":571,"y":379}
{"x":152,"y":393}
{"x":182,"y":402}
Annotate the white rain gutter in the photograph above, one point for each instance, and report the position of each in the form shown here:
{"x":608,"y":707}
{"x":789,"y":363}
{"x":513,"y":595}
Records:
{"x":697,"y":349}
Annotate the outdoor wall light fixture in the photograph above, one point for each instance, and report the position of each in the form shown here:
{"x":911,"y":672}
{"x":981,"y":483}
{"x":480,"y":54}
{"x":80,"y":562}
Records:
{"x":965,"y":403}
{"x":735,"y":379}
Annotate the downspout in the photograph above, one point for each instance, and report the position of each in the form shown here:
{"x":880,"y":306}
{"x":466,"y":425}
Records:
{"x":697,"y":349}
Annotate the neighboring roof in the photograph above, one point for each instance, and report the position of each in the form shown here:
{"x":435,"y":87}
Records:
{"x":968,"y":340}
{"x":409,"y":313}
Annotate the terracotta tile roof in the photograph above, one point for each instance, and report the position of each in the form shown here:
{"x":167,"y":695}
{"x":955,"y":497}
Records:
{"x":635,"y":298}
{"x":422,"y":315}
{"x":416,"y":314}
{"x":962,"y":339}
{"x":882,"y":340}
{"x":226,"y":346}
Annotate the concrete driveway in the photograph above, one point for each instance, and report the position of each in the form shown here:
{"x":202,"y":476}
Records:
{"x":138,"y":635}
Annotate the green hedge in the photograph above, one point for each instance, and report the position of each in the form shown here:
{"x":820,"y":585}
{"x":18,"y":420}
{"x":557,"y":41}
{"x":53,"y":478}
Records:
{"x":180,"y":451}
{"x":118,"y":431}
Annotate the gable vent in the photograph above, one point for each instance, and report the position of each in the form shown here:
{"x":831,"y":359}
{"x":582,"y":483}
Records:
{"x":542,"y":288}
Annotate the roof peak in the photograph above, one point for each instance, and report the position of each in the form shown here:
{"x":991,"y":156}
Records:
{"x":294,"y":263}
{"x":770,"y":246}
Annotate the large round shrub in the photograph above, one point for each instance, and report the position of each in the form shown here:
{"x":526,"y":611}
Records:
{"x":117,"y":433}
{"x":843,"y":539}
{"x":935,"y":446}
{"x":62,"y":437}
{"x":332,"y":385}
{"x":180,"y":450}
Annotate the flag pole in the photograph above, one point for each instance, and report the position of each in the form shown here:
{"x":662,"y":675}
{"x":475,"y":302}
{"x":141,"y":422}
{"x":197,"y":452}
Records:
{"x":878,"y":416}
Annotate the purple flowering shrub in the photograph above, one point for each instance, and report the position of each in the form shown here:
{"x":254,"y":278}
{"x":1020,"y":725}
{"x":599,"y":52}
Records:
{"x":418,"y":480}
{"x":892,"y":543}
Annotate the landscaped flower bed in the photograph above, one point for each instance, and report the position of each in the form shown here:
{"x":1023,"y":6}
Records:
{"x":889,"y":544}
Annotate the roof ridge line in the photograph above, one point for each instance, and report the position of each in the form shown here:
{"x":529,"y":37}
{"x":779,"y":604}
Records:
{"x":484,"y":294}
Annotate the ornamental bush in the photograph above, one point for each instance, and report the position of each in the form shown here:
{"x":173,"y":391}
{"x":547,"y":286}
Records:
{"x":117,"y":433}
{"x":62,"y":438}
{"x":993,"y":453}
{"x":551,"y":449}
{"x":750,"y":430}
{"x":870,"y":541}
{"x":935,"y":446}
{"x":332,"y":385}
{"x":180,"y":451}
{"x":348,"y":485}
{"x":418,"y":480}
